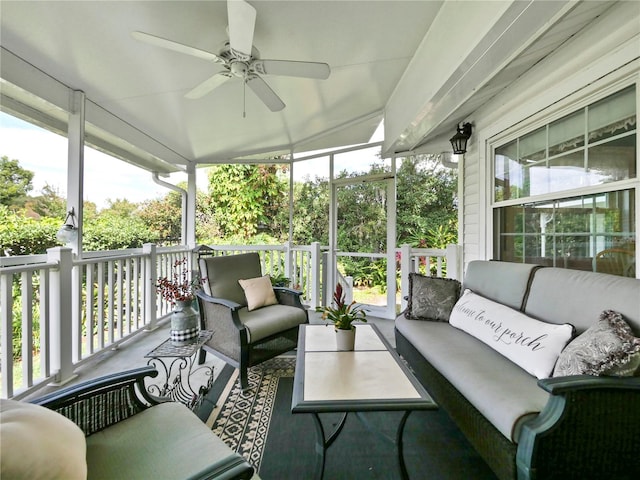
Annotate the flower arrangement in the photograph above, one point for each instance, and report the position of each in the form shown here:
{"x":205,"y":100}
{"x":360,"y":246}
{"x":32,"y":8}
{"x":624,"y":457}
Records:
{"x":342,"y":315}
{"x":180,"y":287}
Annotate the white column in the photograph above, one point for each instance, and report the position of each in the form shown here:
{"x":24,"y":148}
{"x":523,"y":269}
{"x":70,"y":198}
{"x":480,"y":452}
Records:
{"x":75,"y":163}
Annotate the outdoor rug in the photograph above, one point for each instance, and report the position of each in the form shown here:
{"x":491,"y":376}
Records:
{"x":259,"y":425}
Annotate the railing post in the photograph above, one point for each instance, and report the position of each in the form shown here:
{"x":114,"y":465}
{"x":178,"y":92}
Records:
{"x":405,"y":269}
{"x":6,"y":334}
{"x":61,"y":315}
{"x":453,"y":267}
{"x":316,"y":256}
{"x":150,"y":281}
{"x":288,"y":251}
{"x":326,"y":296}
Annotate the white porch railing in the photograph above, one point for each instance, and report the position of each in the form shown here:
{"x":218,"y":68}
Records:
{"x":68,"y":310}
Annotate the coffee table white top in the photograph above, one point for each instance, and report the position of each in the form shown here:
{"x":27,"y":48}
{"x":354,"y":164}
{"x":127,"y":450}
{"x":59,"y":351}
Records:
{"x":322,"y":338}
{"x":372,"y":377}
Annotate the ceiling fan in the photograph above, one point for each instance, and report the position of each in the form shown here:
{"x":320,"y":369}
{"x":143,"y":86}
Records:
{"x":240,"y":59}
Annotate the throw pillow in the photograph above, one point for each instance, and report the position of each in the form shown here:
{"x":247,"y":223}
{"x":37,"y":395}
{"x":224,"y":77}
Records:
{"x":38,"y":443}
{"x":259,"y":292}
{"x":431,"y":298}
{"x":606,"y":348}
{"x":529,"y":343}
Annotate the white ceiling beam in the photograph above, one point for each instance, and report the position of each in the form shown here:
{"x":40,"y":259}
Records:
{"x":442,"y":77}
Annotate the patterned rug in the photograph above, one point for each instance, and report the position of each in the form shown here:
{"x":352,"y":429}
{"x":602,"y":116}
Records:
{"x":434,"y":447}
{"x":242,"y":420}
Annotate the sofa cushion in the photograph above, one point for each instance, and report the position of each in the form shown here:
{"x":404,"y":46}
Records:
{"x":562,"y":295}
{"x":258,"y":291}
{"x":503,"y":282}
{"x":607,"y":348}
{"x":165,"y":441}
{"x":270,"y":320}
{"x":530,"y":343}
{"x":38,"y":443}
{"x":431,"y":298}
{"x":502,"y":391}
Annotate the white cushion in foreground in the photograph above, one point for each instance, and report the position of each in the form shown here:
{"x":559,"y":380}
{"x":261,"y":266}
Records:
{"x":37,"y":443}
{"x":529,"y":343}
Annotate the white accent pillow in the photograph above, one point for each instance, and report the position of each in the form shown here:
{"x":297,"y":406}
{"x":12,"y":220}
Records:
{"x":259,"y":292}
{"x":38,"y":443}
{"x":529,"y":343}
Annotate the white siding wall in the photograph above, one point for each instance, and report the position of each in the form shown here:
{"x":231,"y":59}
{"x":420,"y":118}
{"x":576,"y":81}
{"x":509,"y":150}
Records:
{"x":598,"y":59}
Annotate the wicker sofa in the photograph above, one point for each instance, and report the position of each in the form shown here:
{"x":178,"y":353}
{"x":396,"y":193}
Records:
{"x":564,"y":427}
{"x":128,"y":435}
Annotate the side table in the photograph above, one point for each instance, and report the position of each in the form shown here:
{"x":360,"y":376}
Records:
{"x":167,"y":357}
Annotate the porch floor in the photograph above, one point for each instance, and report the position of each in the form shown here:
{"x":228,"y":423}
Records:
{"x":131,"y":354}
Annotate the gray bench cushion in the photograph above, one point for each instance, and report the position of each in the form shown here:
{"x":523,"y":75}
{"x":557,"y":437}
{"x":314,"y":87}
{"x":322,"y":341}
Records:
{"x":166,"y":441}
{"x":270,"y":320}
{"x":503,"y":392}
{"x":502,"y":282}
{"x":560,"y":295}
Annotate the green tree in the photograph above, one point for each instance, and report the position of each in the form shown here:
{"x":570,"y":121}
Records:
{"x":22,"y":235}
{"x":244,"y":199}
{"x":121,"y":207}
{"x":163,"y":217}
{"x":426,"y":197}
{"x":49,"y":203}
{"x":15,"y":182}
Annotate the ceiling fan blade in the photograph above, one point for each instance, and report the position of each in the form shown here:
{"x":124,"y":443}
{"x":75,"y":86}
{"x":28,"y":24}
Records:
{"x":242,"y":21}
{"x":291,"y":68}
{"x":264,"y":93}
{"x":208,"y":85}
{"x":176,"y":47}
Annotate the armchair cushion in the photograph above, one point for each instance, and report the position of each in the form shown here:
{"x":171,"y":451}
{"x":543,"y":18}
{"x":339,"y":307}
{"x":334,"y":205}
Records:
{"x":221,"y":274}
{"x":166,"y":441}
{"x":38,"y":443}
{"x":258,"y":291}
{"x":271,"y":320}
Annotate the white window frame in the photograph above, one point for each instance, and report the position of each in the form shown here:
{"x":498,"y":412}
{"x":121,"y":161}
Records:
{"x":580,"y":99}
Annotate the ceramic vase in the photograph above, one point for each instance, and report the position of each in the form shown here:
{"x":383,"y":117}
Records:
{"x":345,"y":339}
{"x":184,"y":324}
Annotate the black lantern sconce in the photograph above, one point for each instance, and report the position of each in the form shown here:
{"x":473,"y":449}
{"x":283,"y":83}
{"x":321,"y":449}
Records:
{"x":459,"y":140}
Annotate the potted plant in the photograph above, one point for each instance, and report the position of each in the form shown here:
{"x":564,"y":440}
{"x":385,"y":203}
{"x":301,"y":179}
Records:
{"x":179,"y":290}
{"x":342,"y":315}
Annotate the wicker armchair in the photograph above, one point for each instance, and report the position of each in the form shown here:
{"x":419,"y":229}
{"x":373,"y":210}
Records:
{"x":121,"y":420}
{"x":241,"y":337}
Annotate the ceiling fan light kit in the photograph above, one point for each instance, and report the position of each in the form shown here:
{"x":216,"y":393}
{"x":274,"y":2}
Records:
{"x":240,"y":59}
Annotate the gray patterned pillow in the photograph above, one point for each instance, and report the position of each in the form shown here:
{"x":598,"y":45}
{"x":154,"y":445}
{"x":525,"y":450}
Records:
{"x":431,"y":298}
{"x":606,"y":348}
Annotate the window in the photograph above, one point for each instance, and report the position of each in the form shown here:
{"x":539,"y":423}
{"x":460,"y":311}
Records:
{"x":570,"y":159}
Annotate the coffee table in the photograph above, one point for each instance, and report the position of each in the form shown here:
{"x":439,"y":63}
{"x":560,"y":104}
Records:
{"x":370,"y":378}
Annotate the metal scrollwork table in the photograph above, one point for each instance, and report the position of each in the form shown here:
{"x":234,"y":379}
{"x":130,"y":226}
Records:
{"x":176,"y":362}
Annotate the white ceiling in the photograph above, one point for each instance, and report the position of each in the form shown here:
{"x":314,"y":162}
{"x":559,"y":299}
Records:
{"x":390,"y":57}
{"x":87,"y":45}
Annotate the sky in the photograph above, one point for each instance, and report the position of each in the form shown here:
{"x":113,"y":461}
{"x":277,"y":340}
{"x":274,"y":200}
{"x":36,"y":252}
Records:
{"x":106,"y":178}
{"x":45,"y":154}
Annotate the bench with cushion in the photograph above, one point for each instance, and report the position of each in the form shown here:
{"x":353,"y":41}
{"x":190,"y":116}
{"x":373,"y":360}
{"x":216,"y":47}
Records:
{"x":534,"y":365}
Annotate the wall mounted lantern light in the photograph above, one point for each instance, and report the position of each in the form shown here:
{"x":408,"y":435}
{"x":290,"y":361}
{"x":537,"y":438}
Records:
{"x":459,"y":140}
{"x":68,"y":232}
